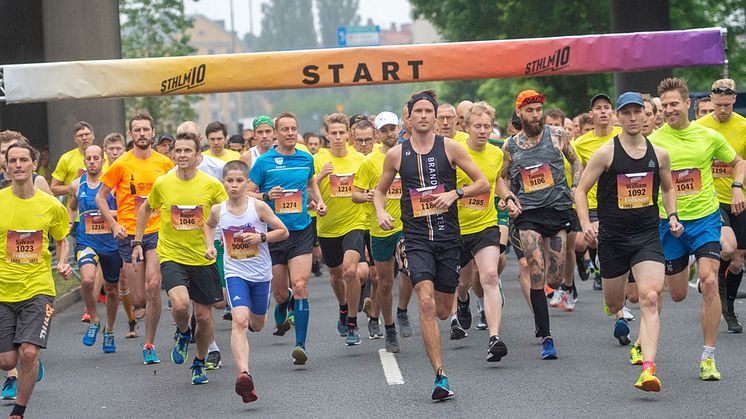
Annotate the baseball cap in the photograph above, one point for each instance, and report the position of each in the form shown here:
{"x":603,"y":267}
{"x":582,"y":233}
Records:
{"x":600,"y":96}
{"x":165,"y":137}
{"x":386,"y":118}
{"x":528,"y":96}
{"x":629,"y":98}
{"x":235,"y":139}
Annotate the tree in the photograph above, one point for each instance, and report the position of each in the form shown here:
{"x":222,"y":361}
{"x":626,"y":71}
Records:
{"x":286,"y":24}
{"x":335,"y":13}
{"x":157,"y":28}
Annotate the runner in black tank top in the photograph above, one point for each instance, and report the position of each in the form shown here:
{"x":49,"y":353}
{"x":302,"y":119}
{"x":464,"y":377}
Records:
{"x":432,"y":238}
{"x":629,"y":171}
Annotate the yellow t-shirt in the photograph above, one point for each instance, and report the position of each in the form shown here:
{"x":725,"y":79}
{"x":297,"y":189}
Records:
{"x":734,"y":131}
{"x":185,"y":206}
{"x":302,"y":147}
{"x":478,"y":212}
{"x":132,"y":179}
{"x":342,"y":215}
{"x":585,"y":146}
{"x":71,"y":166}
{"x":25,"y":260}
{"x":460,"y":137}
{"x":229,"y":155}
{"x":367,"y":178}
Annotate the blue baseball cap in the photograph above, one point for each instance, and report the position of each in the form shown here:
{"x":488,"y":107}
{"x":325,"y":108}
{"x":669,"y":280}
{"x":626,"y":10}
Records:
{"x":629,"y":98}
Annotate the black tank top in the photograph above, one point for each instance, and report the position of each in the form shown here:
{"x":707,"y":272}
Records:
{"x":421,"y":175}
{"x":628,"y":194}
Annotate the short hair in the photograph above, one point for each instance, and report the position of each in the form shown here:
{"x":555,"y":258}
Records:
{"x":307,"y":135}
{"x":724,"y":83}
{"x":285,"y":115}
{"x":142,"y":116}
{"x":215,"y":127}
{"x":26,"y":146}
{"x":447,"y":105}
{"x":479,"y":108}
{"x":555,"y":113}
{"x":236,"y":165}
{"x":699,"y":101}
{"x":336,"y":118}
{"x":362,"y":125}
{"x":429,"y":92}
{"x":189,"y":136}
{"x":188,"y":126}
{"x":114,"y":137}
{"x":646,"y":98}
{"x":584,"y":118}
{"x":674,"y":83}
{"x":81,"y":125}
{"x":8,"y":136}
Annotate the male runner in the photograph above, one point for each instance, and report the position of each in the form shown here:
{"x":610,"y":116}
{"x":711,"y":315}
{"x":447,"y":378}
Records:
{"x":70,"y":166}
{"x":27,"y":289}
{"x":235,"y":143}
{"x":703,"y":106}
{"x":264,"y":135}
{"x":132,"y":177}
{"x":216,"y":134}
{"x":313,"y":142}
{"x":8,"y":138}
{"x":284,"y":178}
{"x":248,"y":267}
{"x":629,"y":171}
{"x":648,"y":125}
{"x":445,"y":125}
{"x":427,"y":165}
{"x":693,"y":148}
{"x":185,"y":196}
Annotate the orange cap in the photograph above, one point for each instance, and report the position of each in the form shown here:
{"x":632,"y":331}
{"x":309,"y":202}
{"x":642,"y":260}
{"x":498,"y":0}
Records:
{"x":528,"y":96}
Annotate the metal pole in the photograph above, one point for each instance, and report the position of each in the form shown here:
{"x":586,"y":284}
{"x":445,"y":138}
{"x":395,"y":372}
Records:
{"x":724,"y":34}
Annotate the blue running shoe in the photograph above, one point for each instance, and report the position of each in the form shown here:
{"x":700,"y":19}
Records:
{"x":548,"y":351}
{"x":199,"y":376}
{"x":441,"y":389}
{"x":40,"y":374}
{"x":181,"y":348}
{"x":281,"y":310}
{"x":148,"y":355}
{"x":621,"y":332}
{"x":9,"y":388}
{"x":353,"y":336}
{"x":89,"y":338}
{"x":342,"y":325}
{"x":109,"y":346}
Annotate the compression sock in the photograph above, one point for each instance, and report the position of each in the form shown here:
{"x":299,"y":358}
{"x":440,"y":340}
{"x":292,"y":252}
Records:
{"x":732,"y":282}
{"x":541,"y":312}
{"x":302,"y":313}
{"x":18,"y":410}
{"x":343,"y":310}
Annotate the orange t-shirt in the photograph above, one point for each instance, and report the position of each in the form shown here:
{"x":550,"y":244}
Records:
{"x":132,"y":179}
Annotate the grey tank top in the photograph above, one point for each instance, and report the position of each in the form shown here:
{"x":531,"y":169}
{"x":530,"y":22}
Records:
{"x":537,"y":175}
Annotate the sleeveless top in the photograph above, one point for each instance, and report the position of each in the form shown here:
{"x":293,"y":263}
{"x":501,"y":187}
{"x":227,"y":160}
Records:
{"x":249,"y":262}
{"x":423,"y":175}
{"x":92,"y":230}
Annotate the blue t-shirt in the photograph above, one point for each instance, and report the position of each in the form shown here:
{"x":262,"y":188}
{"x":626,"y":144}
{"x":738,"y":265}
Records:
{"x":288,"y":172}
{"x":98,"y":235}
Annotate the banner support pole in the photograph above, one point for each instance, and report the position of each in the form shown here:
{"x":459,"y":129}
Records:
{"x":724,"y":33}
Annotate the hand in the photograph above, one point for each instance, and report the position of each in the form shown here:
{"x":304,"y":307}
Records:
{"x":675,"y":226}
{"x":311,"y":206}
{"x":502,"y":205}
{"x":590,"y":231}
{"x":137,"y":255}
{"x":326,"y":169}
{"x":369,"y":196}
{"x":385,"y":221}
{"x":737,"y":204}
{"x":321,"y":209}
{"x":444,"y":200}
{"x":514,"y":208}
{"x":275,"y":193}
{"x":251,"y":238}
{"x":211,"y":252}
{"x":65,"y":270}
{"x":120,"y":233}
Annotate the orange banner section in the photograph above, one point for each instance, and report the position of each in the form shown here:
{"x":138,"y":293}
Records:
{"x":363,"y":66}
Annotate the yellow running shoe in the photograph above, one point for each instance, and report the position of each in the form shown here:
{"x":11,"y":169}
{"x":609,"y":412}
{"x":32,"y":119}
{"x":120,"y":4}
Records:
{"x":635,"y":355}
{"x":607,"y":311}
{"x":708,"y":371}
{"x":648,"y":381}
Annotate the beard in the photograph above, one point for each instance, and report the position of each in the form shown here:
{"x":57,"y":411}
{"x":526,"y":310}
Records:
{"x":532,"y":129}
{"x":141,"y":146}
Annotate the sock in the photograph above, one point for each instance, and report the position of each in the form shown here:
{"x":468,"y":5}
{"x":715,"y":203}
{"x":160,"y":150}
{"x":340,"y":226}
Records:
{"x":721,"y":277}
{"x":708,"y":352}
{"x":732,"y":282}
{"x":351,"y":321}
{"x":343,"y":309}
{"x":213,"y":347}
{"x":647,"y":364}
{"x":541,"y":312}
{"x":18,"y":410}
{"x":401,"y":310}
{"x":126,"y":298}
{"x":389,"y":327}
{"x":373,"y":320}
{"x":480,"y":303}
{"x":580,"y":259}
{"x":302,"y":313}
{"x":592,"y":252}
{"x":284,"y":305}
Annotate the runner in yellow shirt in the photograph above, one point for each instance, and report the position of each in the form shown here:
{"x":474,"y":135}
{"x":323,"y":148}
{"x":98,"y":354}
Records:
{"x":216,"y":134}
{"x":70,"y":166}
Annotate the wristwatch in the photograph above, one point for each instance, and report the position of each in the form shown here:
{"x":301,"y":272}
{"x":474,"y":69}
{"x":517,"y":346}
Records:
{"x":264,"y":237}
{"x":134,"y":243}
{"x":737,"y":185}
{"x":265,"y":197}
{"x":459,"y":193}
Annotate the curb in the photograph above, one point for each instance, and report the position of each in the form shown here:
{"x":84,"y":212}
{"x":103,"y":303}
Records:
{"x":67,"y":300}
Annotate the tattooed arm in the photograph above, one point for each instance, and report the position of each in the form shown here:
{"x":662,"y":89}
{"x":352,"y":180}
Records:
{"x":561,"y":141}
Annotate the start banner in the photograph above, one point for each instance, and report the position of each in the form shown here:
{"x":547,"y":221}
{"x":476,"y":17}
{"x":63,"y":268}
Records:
{"x":362,"y":66}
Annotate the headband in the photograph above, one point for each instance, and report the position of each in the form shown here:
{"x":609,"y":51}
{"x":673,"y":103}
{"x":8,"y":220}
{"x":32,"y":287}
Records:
{"x":264,"y":119}
{"x":422,"y":96}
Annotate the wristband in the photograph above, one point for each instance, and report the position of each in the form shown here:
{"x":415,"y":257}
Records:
{"x":265,"y":197}
{"x":263,"y":236}
{"x":509,"y":198}
{"x":673,"y":214}
{"x":737,"y":185}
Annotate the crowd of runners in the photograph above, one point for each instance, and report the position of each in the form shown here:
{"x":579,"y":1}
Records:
{"x":632,"y":194}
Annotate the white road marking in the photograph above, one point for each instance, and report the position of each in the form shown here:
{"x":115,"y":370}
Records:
{"x":390,"y":368}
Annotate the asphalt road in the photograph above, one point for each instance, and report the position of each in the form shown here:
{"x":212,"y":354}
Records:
{"x":591,"y":378}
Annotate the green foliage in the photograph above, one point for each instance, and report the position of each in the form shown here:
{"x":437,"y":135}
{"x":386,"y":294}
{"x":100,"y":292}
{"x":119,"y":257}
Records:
{"x":335,"y":13}
{"x":286,"y":24}
{"x":157,"y":28}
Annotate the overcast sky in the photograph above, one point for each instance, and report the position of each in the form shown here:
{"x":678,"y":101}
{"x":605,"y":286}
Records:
{"x":383,"y":12}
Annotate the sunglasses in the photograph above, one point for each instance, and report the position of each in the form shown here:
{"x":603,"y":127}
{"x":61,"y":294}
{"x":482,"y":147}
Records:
{"x":723,"y":91}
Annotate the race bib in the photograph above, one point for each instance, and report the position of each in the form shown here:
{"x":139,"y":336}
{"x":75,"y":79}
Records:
{"x":479,"y":202}
{"x":687,"y":181}
{"x":634,"y":190}
{"x":395,"y":189}
{"x":422,"y":201}
{"x":139,"y":200}
{"x":186,"y":217}
{"x":24,"y":246}
{"x":536,"y":178}
{"x":721,"y":170}
{"x":291,"y":202}
{"x":95,"y":224}
{"x":235,"y":247}
{"x":340,"y":186}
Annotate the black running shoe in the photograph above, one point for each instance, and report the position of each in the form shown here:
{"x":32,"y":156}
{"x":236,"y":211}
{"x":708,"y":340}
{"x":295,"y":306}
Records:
{"x":497,"y":349}
{"x":463,"y":312}
{"x":457,"y":332}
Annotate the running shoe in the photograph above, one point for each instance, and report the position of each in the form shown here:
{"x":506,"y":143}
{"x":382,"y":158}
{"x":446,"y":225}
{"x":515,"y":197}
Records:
{"x":40,"y":374}
{"x":181,"y":348}
{"x":392,"y":341}
{"x":245,"y":387}
{"x":567,"y":303}
{"x":463,"y":312}
{"x":316,"y":268}
{"x":635,"y":355}
{"x":731,"y":319}
{"x":457,"y":332}
{"x":548,"y":350}
{"x":597,"y":285}
{"x":482,"y":323}
{"x":132,"y":330}
{"x":353,"y":336}
{"x":109,"y":346}
{"x":342,"y":325}
{"x":291,"y":319}
{"x":556,"y":298}
{"x":496,"y":350}
{"x":86,"y":317}
{"x":281,"y":312}
{"x":608,"y":311}
{"x":102,"y":298}
{"x":627,"y":313}
{"x":213,"y":360}
{"x":300,"y":356}
{"x":405,"y":329}
{"x":441,"y":389}
{"x":584,"y":268}
{"x":89,"y":337}
{"x":227,"y":313}
{"x":367,"y":302}
{"x":374,"y":330}
{"x":283,"y":328}
{"x":148,"y":355}
{"x":9,"y":388}
{"x":708,"y":371}
{"x":648,"y":381}
{"x":621,"y":332}
{"x":199,"y":376}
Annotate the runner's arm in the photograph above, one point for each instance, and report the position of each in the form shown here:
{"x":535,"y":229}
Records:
{"x":143,"y":215}
{"x":72,"y":209}
{"x":58,"y":188}
{"x":279,"y":231}
{"x":246,"y":157}
{"x":391,"y":162}
{"x":667,"y":188}
{"x":739,"y":172}
{"x":461,"y":158}
{"x":41,"y":184}
{"x":598,"y":163}
{"x":253,"y":190}
{"x":506,"y":162}
{"x":63,"y":254}
{"x":208,"y":229}
{"x":314,"y":194}
{"x":359,"y":195}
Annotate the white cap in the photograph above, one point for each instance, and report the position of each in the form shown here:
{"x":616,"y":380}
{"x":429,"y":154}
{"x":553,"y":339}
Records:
{"x":386,"y":118}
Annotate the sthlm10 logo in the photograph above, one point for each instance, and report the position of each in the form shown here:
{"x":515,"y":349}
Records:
{"x":195,"y":77}
{"x":557,"y":61}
